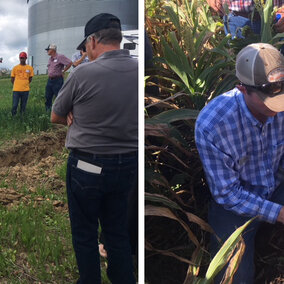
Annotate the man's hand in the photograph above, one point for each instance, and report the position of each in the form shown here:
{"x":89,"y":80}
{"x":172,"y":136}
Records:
{"x":281,"y":216}
{"x":69,"y":118}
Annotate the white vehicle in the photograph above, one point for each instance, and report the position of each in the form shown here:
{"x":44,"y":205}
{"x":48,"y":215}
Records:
{"x":130,"y":41}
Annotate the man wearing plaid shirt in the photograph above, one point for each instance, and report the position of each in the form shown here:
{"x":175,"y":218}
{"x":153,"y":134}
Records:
{"x":240,"y":139}
{"x":242,"y":13}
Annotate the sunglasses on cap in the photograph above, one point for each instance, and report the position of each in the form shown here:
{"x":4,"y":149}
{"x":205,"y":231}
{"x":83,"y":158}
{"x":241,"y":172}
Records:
{"x":271,"y":88}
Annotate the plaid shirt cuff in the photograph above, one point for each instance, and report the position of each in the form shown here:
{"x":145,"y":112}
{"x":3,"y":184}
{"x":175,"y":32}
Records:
{"x":269,"y":211}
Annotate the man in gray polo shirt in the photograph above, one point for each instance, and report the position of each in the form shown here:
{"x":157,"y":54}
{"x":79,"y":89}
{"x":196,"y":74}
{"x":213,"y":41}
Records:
{"x":99,"y":102}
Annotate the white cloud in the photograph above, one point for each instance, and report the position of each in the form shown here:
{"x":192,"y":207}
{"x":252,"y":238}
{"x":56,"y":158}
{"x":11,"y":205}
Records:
{"x":13,"y":30}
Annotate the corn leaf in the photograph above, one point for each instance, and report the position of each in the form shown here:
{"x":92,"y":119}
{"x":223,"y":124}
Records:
{"x":225,"y":252}
{"x":266,"y":22}
{"x":166,"y":212}
{"x":173,"y":115}
{"x":234,"y":263}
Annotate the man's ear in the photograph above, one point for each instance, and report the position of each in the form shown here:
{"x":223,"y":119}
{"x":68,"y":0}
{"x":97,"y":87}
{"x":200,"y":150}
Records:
{"x":93,"y":42}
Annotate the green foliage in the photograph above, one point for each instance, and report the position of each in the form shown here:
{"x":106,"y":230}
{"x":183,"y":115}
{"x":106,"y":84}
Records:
{"x":35,"y":119}
{"x":266,"y":21}
{"x":61,"y":170}
{"x":42,"y":238}
{"x":194,"y":51}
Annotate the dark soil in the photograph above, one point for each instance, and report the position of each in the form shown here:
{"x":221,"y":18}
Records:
{"x":31,"y":163}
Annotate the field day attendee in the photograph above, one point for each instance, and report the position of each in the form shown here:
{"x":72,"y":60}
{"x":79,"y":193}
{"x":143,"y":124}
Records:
{"x":79,"y":57}
{"x":21,"y":77}
{"x":57,"y":65}
{"x":240,"y":139}
{"x":102,"y":136}
{"x":241,"y":14}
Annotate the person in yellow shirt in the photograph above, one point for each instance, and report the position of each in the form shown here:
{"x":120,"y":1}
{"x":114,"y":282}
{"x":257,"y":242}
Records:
{"x":21,"y":78}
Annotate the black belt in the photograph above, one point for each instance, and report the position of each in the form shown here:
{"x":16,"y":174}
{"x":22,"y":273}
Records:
{"x":55,"y":77}
{"x":91,"y":155}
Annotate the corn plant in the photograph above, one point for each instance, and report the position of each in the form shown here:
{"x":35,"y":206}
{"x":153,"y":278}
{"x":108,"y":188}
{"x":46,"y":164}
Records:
{"x":174,"y":187}
{"x":192,"y":51}
{"x":231,"y":251}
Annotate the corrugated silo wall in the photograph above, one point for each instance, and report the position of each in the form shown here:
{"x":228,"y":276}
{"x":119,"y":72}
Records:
{"x":62,"y":22}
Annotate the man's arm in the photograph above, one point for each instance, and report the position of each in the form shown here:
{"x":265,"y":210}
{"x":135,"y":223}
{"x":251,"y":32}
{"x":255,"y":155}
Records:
{"x":67,"y":67}
{"x":224,"y":182}
{"x":63,"y":105}
{"x":80,"y":60}
{"x":58,"y":119}
{"x":217,"y":6}
{"x":12,"y":80}
{"x":66,"y":62}
{"x":31,"y":74}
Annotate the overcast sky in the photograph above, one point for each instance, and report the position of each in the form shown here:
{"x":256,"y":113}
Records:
{"x":13,"y":31}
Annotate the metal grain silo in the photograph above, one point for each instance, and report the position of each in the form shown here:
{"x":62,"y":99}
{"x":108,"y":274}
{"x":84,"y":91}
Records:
{"x":62,"y":22}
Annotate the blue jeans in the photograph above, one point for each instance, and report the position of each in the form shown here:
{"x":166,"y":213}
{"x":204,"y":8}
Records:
{"x":101,"y":197}
{"x":132,"y":221}
{"x":224,"y":223}
{"x":52,"y":88}
{"x":23,"y":98}
{"x":233,"y":25}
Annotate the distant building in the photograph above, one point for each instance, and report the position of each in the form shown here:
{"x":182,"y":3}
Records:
{"x":62,"y":22}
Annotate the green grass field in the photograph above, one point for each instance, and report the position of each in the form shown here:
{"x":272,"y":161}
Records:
{"x":35,"y":119}
{"x":35,"y":237}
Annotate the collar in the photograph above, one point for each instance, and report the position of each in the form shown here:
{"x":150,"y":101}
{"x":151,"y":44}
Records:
{"x":115,"y":53}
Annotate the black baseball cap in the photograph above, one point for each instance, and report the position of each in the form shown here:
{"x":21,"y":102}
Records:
{"x":100,"y":22}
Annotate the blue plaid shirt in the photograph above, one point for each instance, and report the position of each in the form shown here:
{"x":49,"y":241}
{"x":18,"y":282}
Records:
{"x":243,"y":159}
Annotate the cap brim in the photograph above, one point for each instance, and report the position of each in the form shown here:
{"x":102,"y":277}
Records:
{"x":82,"y":44}
{"x":275,"y":103}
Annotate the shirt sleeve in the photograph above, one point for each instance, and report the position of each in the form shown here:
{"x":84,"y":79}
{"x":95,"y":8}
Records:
{"x":64,"y":60}
{"x":63,"y":103}
{"x":224,"y":182}
{"x":74,"y":57}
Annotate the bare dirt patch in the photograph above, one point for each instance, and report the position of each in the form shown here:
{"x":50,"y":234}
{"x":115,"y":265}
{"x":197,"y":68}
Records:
{"x":33,"y":148}
{"x":31,"y":163}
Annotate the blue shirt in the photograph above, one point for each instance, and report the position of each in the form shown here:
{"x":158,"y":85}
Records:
{"x":243,"y":159}
{"x":77,"y":55}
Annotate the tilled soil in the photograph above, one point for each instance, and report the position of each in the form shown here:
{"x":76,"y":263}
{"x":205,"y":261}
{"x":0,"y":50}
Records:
{"x":31,"y":163}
